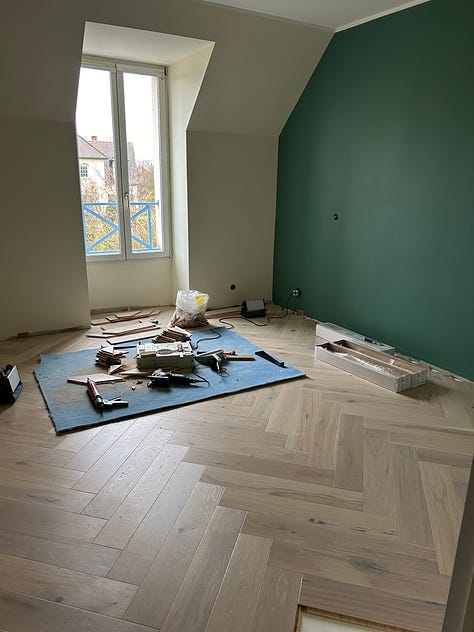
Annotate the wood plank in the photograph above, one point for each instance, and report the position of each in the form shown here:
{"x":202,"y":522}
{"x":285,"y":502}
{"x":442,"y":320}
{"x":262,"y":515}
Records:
{"x":49,"y":495}
{"x":323,"y":451}
{"x":350,"y":454}
{"x":18,"y":611}
{"x":195,"y":599}
{"x":259,"y":466}
{"x":61,"y":585}
{"x":444,"y":458}
{"x":46,"y":474}
{"x":277,"y":601}
{"x":445,"y":511}
{"x":410,"y":503}
{"x":378,"y":482}
{"x":302,"y":511}
{"x":143,"y":335}
{"x":302,"y":430}
{"x":361,"y":572}
{"x":135,"y":561}
{"x":98,"y":444}
{"x":34,"y":519}
{"x":117,"y":488}
{"x":171,"y":564}
{"x":355,"y":601}
{"x":288,"y":404}
{"x":123,"y":523}
{"x":284,"y":488}
{"x":77,"y":556}
{"x":34,"y":453}
{"x":96,"y":477}
{"x":244,"y":447}
{"x":265,"y":402}
{"x":75,"y":441}
{"x":349,"y":546}
{"x":97,"y":378}
{"x":236,"y":603}
{"x":130,"y":328}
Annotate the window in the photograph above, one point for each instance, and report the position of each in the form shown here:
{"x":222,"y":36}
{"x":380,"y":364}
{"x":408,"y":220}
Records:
{"x":121,"y":123}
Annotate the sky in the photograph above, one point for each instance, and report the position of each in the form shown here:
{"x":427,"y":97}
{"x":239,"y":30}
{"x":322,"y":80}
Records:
{"x":93,"y":113}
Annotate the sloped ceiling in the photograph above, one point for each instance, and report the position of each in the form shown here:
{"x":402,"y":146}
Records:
{"x":334,"y":15}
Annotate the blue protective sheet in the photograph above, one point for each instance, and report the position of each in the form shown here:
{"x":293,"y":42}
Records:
{"x":70,"y":407}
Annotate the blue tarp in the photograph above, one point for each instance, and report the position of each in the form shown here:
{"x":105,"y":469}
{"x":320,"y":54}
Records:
{"x":70,"y":407}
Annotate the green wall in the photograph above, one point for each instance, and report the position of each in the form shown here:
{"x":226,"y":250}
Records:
{"x":384,"y":135}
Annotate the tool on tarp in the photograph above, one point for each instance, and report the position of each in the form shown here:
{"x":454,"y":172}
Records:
{"x":164,"y":379}
{"x":267,"y":356}
{"x":98,"y":401}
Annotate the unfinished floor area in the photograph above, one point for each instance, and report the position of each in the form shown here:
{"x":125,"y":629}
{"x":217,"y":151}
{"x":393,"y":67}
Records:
{"x":329,"y":492}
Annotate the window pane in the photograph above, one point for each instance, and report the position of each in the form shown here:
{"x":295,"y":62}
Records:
{"x":143,"y":156}
{"x":97,"y":164}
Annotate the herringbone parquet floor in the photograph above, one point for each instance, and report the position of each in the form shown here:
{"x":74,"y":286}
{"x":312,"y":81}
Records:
{"x":224,"y":515}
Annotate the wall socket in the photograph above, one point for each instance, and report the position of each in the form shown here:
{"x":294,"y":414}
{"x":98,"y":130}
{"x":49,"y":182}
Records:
{"x":296,"y":292}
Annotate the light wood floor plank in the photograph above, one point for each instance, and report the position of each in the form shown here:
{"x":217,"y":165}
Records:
{"x":277,"y":601}
{"x":121,"y":526}
{"x":259,"y":466}
{"x":302,"y":430}
{"x":34,"y":519}
{"x":287,"y":405}
{"x":61,"y":585}
{"x":385,"y":608}
{"x":96,"y":477}
{"x":378,"y":475}
{"x":323,"y":452}
{"x":171,"y":564}
{"x":145,"y":544}
{"x":235,"y":606}
{"x":284,"y":488}
{"x":445,"y":512}
{"x":98,"y":445}
{"x":303,"y":511}
{"x":410,"y":502}
{"x":350,"y":454}
{"x":239,"y":446}
{"x":17,"y":612}
{"x":117,"y":488}
{"x":48,"y":495}
{"x":195,"y":599}
{"x":77,"y":556}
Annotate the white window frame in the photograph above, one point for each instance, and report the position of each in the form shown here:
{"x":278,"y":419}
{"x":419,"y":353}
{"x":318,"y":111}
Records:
{"x":116,"y":69}
{"x":84,"y":170}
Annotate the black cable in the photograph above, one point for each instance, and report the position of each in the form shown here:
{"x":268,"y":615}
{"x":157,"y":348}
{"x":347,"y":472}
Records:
{"x":286,"y":309}
{"x":219,"y":335}
{"x":201,"y":378}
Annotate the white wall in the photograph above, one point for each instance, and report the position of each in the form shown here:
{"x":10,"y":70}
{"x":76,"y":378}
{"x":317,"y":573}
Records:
{"x":41,"y":246}
{"x":184,"y":81}
{"x":257,"y":71}
{"x":231,"y":231}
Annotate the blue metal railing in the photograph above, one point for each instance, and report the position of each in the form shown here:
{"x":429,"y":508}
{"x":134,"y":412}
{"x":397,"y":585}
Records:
{"x":137,"y":209}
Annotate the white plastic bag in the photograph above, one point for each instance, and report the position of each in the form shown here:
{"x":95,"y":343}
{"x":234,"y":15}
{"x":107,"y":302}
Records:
{"x":190,"y":309}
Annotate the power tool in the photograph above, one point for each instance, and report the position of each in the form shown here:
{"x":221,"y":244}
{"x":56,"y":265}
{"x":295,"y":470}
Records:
{"x":98,"y":401}
{"x":164,"y":380}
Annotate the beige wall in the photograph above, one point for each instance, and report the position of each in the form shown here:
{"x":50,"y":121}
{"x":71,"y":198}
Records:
{"x":184,"y":82}
{"x":41,"y":246}
{"x":257,"y":71}
{"x":231,"y":230}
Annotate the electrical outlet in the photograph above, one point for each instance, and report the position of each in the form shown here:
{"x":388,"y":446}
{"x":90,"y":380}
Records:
{"x":296,"y":292}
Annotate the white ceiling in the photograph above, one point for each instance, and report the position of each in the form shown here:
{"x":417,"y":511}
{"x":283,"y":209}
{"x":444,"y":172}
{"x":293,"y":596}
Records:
{"x":119,"y":42}
{"x":334,"y":15}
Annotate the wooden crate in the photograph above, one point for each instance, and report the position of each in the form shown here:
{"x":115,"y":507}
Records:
{"x":332,"y":332}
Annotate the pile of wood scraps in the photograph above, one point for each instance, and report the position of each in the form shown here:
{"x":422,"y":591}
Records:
{"x":119,"y":317}
{"x":173,"y":334}
{"x":125,"y":333}
{"x":110,"y":359}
